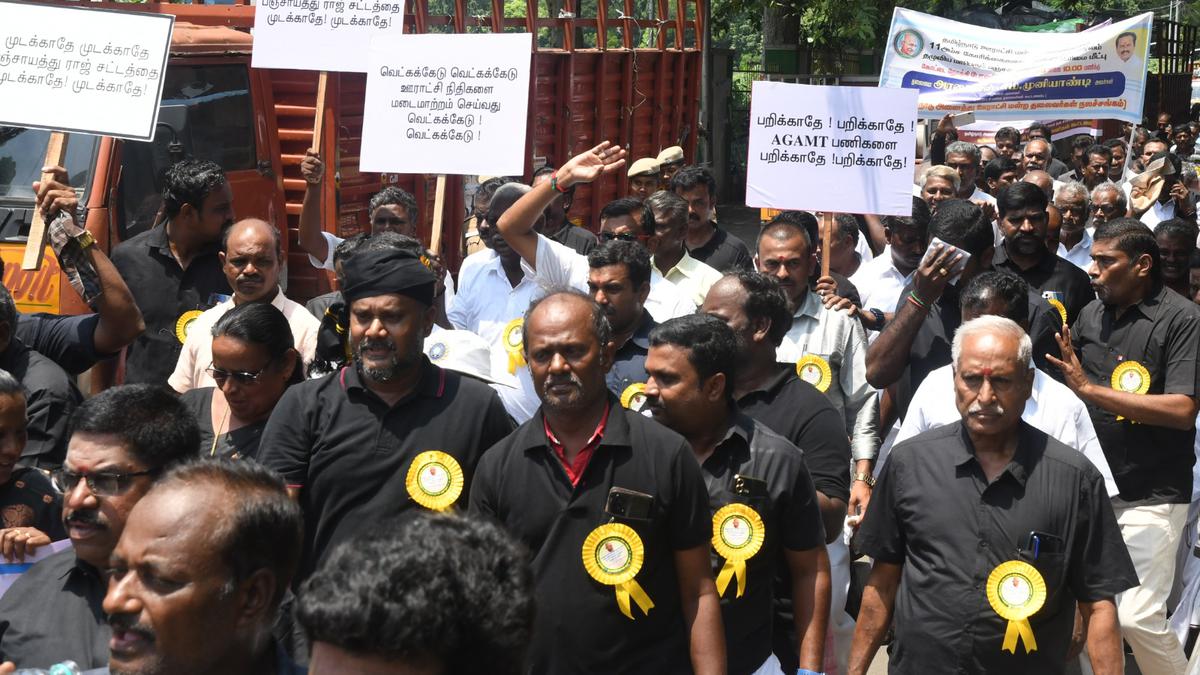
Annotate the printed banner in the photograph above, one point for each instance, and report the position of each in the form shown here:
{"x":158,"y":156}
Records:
{"x":984,"y":133}
{"x":331,"y":35}
{"x":844,"y":149}
{"x":1011,"y":75}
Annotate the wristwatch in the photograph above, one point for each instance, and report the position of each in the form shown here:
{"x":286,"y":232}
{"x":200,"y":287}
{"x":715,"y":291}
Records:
{"x":84,"y":239}
{"x":866,"y":478}
{"x":880,"y":319}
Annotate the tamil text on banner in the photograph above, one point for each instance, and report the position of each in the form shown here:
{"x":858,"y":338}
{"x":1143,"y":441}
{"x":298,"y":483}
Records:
{"x":83,"y":70}
{"x":331,"y":35}
{"x":450,"y":104}
{"x":984,"y":132}
{"x":844,"y":149}
{"x":1011,"y":75}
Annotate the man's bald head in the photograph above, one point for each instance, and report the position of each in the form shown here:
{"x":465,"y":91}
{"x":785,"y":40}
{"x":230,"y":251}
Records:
{"x":251,"y":252}
{"x":1041,"y":179}
{"x":568,"y":345}
{"x":256,"y":228}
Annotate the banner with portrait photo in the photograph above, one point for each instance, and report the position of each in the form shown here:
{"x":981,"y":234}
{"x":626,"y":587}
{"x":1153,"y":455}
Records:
{"x":1099,"y":73}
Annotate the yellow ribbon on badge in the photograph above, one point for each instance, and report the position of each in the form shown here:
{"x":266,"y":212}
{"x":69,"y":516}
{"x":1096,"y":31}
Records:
{"x":1130,"y":377}
{"x":613,"y":555}
{"x":514,"y":343}
{"x":1016,"y":591}
{"x":1062,"y":309}
{"x":815,"y":371}
{"x":185,"y":322}
{"x":435,"y":480}
{"x":738,"y":533}
{"x":634,"y":396}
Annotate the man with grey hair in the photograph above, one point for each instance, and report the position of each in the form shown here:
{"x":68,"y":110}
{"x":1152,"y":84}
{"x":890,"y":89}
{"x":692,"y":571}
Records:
{"x":1074,"y":241}
{"x":1000,"y":531}
{"x":963,"y":157}
{"x":1108,"y":203}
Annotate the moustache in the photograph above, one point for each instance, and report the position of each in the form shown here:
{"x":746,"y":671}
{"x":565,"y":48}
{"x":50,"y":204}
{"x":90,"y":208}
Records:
{"x":123,"y":623}
{"x":556,"y":380}
{"x":368,"y":343}
{"x":89,"y":517}
{"x":977,"y":408}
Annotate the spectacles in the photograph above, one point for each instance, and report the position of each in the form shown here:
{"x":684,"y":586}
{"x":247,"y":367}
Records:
{"x":101,"y":484}
{"x":624,"y":236}
{"x":242,"y":377}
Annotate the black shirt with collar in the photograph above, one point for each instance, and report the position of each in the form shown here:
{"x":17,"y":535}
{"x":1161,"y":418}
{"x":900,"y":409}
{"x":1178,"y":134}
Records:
{"x":629,"y":362}
{"x":804,"y":416}
{"x":53,"y":613}
{"x":69,"y":341}
{"x":575,"y":237}
{"x":1162,"y":332}
{"x":578,"y":626}
{"x":349,"y":452}
{"x":792,"y":519}
{"x":164,"y":292}
{"x":931,"y":346}
{"x":724,"y":252}
{"x":934,"y":512}
{"x":29,"y":499}
{"x":1052,"y":274}
{"x":50,"y":398}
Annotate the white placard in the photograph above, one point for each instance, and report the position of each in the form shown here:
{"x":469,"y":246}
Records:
{"x":82,"y":70}
{"x":332,"y":35}
{"x":843,"y":149}
{"x":447,"y":104}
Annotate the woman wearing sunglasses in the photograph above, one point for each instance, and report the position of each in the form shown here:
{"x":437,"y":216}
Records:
{"x":254,"y":361}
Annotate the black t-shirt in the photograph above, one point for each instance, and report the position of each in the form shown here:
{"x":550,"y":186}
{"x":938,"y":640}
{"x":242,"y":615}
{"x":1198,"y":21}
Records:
{"x":69,"y":341}
{"x":791,"y":518}
{"x":629,"y":362}
{"x":1054,"y":275}
{"x":164,"y":292}
{"x":241,"y":443}
{"x":28,"y":499}
{"x":1162,"y":333}
{"x":934,"y":512}
{"x":578,"y":627}
{"x":575,"y":237}
{"x":53,"y":613}
{"x":319,"y":304}
{"x":50,"y":398}
{"x":724,"y":252}
{"x":349,"y":453}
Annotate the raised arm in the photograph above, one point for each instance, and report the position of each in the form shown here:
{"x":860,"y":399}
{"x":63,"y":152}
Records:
{"x":310,"y":235}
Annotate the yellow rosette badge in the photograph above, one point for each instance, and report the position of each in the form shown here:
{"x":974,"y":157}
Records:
{"x":815,"y":371}
{"x":1130,"y":377}
{"x":634,"y":396}
{"x":184,"y":323}
{"x":514,"y":343}
{"x":738,"y":533}
{"x":1016,"y":591}
{"x":435,"y":480}
{"x":1058,"y":305}
{"x":613,"y":555}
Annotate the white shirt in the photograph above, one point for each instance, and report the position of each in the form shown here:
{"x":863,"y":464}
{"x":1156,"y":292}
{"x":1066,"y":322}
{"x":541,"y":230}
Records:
{"x":1051,"y":408}
{"x":692,"y":277}
{"x":191,"y":370}
{"x":562,"y":266}
{"x":485,"y":305}
{"x":879,"y":283}
{"x":1158,"y":212}
{"x":1080,"y":254}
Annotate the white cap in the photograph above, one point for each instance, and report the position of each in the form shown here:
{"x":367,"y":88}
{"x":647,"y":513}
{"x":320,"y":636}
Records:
{"x":671,"y":155}
{"x":462,"y":351}
{"x":645,"y":165}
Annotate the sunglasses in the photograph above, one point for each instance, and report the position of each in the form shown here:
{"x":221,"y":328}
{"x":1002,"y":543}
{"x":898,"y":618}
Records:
{"x":624,"y":236}
{"x":242,"y":377}
{"x":101,"y":484}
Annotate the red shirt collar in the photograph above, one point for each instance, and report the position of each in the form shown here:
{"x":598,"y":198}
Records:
{"x":575,"y":469}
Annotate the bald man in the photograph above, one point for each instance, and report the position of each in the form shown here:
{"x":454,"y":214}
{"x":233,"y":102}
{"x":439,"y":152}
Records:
{"x":251,"y":255}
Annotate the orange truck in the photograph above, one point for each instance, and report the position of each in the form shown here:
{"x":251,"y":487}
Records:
{"x":635,"y":81}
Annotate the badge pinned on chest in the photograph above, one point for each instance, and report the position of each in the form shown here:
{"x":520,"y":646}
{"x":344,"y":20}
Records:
{"x":634,"y":397}
{"x":185,"y":322}
{"x":816,"y":371}
{"x":612,"y":555}
{"x":435,"y":480}
{"x":1055,"y":298}
{"x":1016,"y":591}
{"x":738,"y":534}
{"x":513,"y":339}
{"x":1130,"y":377}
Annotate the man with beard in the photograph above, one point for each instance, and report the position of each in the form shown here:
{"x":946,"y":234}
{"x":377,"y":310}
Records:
{"x":587,"y":475}
{"x":1135,"y":367}
{"x":173,"y":269}
{"x":199,"y":596}
{"x":391,"y":432}
{"x":1023,"y":220}
{"x":122,"y":440}
{"x":1074,"y":241}
{"x":705,"y":241}
{"x":1035,"y":156}
{"x":251,"y":258}
{"x":1176,"y":239}
{"x":556,"y":225}
{"x":758,"y":485}
{"x":1096,"y":163}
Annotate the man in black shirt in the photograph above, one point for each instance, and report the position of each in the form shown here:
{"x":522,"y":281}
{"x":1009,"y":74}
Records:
{"x":121,"y":440}
{"x":619,"y":280}
{"x":586,"y":475}
{"x":987,"y":533}
{"x":391,"y":432}
{"x":1176,"y":239}
{"x":173,"y":269}
{"x":1137,"y":370}
{"x":704,"y":240}
{"x":30,"y":507}
{"x":557,"y":226}
{"x":201,"y":595}
{"x":1023,"y":221}
{"x":762,"y":498}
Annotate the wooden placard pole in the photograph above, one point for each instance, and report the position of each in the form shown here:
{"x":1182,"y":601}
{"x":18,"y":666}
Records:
{"x":439,"y":202}
{"x":319,"y":117}
{"x":826,"y":237}
{"x":56,"y":151}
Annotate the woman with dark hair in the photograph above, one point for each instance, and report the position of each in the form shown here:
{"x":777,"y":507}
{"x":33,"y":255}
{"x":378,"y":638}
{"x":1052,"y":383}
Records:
{"x":254,"y":360}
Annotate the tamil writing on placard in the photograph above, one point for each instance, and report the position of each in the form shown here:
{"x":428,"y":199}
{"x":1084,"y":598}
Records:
{"x":332,"y":14}
{"x":57,"y":62}
{"x":449,"y":104}
{"x":335,"y":35}
{"x":830,"y":141}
